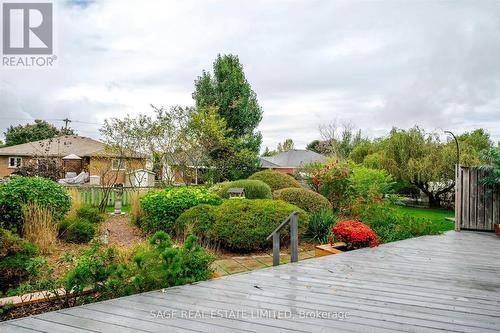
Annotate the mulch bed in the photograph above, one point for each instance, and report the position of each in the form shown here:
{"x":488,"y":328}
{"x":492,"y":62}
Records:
{"x":122,"y":233}
{"x":30,"y":310}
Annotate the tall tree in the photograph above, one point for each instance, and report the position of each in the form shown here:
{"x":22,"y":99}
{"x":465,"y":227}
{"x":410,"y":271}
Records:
{"x":225,"y":157}
{"x":39,"y":130}
{"x":267,"y":152}
{"x":228,"y":91}
{"x":339,"y":140}
{"x":314,"y":146}
{"x":280,"y":148}
{"x":478,"y":140}
{"x":422,"y":160}
{"x":286,"y":145}
{"x":163,"y":137}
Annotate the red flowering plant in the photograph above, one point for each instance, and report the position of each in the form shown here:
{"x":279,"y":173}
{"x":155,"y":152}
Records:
{"x":355,"y":234}
{"x":331,"y":179}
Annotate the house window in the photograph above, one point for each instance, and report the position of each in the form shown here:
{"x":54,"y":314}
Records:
{"x":118,"y":164}
{"x":15,"y":162}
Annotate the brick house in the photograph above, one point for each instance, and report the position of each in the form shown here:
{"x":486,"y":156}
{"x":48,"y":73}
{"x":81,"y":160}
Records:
{"x":290,"y":161}
{"x":72,"y":154}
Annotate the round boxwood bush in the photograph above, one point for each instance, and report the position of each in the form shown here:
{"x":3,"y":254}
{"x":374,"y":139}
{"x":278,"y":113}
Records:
{"x":275,"y":180}
{"x":240,"y":224}
{"x":254,"y":189}
{"x":198,"y":221}
{"x":23,"y":190}
{"x":308,"y":200}
{"x":77,"y":231}
{"x":162,"y":208}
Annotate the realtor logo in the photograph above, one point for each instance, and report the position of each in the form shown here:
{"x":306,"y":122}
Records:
{"x":28,"y":35}
{"x":27,"y":28}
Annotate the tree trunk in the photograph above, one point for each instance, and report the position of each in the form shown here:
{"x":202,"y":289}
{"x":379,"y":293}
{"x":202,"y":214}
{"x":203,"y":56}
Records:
{"x":434,"y":198}
{"x":434,"y":201}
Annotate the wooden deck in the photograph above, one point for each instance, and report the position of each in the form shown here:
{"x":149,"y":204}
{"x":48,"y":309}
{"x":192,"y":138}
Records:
{"x":427,"y":284}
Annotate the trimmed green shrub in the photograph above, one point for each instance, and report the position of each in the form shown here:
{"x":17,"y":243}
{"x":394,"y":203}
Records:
{"x":308,"y":200}
{"x":197,"y":220}
{"x":77,"y":231}
{"x":241,"y":224}
{"x":318,"y":229}
{"x":254,"y":189}
{"x":90,"y":214}
{"x":162,"y":208}
{"x":275,"y":180}
{"x":23,"y":190}
{"x":15,"y":254}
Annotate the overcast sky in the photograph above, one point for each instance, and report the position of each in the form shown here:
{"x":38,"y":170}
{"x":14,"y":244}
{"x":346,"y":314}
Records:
{"x":376,"y":64}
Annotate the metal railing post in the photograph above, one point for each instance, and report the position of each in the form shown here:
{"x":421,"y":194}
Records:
{"x":293,"y":219}
{"x":276,"y":248}
{"x":294,"y":238}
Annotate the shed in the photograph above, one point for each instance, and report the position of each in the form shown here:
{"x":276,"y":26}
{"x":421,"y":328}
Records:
{"x":140,"y":178}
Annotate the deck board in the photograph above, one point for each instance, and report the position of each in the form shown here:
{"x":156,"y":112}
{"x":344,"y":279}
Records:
{"x":426,"y":284}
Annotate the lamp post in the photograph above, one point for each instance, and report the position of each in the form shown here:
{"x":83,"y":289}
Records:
{"x":458,"y":219}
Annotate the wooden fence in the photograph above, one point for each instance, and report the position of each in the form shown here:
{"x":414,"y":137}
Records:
{"x":479,"y":205}
{"x":93,"y":195}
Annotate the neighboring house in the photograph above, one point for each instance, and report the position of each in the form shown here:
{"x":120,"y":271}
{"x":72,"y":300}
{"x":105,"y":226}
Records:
{"x":73,"y":155}
{"x":290,"y":161}
{"x":184,"y":173}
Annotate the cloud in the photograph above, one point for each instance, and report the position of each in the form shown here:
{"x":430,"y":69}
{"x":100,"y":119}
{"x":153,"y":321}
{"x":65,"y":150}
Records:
{"x":375,"y":64}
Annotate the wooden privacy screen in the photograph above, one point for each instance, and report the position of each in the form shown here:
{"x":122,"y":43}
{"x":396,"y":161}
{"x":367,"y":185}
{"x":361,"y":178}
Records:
{"x":479,"y":207}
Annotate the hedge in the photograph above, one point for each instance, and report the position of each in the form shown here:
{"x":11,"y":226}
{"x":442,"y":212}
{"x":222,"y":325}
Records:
{"x":197,"y":221}
{"x":275,"y":180}
{"x":254,"y":189}
{"x":240,"y":224}
{"x":23,"y":190}
{"x":15,"y":253}
{"x":308,"y":200}
{"x":162,"y":208}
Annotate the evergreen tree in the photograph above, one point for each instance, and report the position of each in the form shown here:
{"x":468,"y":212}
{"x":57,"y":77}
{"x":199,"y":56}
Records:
{"x":228,"y":91}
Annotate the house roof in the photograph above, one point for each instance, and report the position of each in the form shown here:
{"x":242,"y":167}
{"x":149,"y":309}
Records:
{"x":59,"y":147}
{"x":294,"y":158}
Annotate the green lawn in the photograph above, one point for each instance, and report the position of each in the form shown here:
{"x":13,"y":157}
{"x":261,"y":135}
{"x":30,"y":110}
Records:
{"x":435,"y":215}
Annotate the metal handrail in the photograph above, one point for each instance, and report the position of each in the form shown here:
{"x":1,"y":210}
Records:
{"x":293,"y":219}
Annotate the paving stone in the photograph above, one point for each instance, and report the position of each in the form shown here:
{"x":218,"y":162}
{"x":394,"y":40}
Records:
{"x":268,"y":260}
{"x":219,"y":270}
{"x":231,"y":266}
{"x":306,"y":255}
{"x":250,"y":263}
